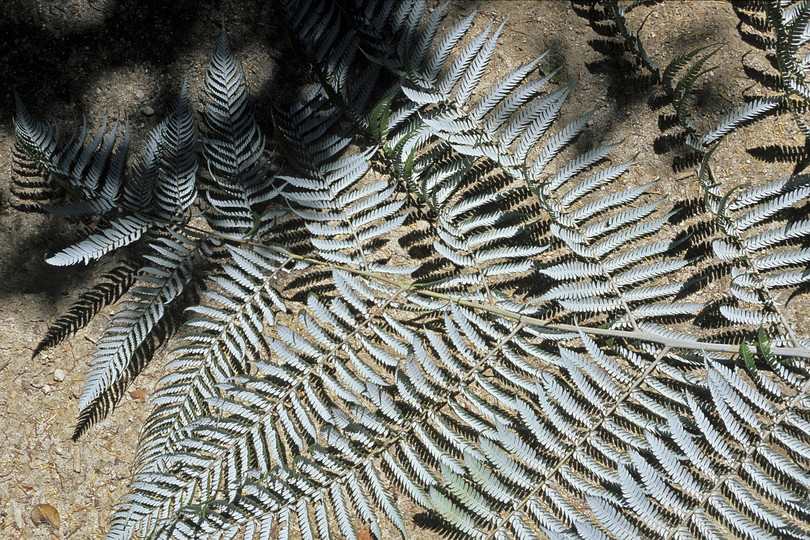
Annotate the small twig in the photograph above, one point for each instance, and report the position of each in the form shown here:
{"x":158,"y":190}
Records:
{"x":101,"y":9}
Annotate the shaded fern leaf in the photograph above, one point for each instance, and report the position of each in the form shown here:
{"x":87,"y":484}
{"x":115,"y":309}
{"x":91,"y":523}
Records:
{"x":112,"y":286}
{"x":337,"y":40}
{"x":94,"y":167}
{"x":162,"y":182}
{"x":175,"y":188}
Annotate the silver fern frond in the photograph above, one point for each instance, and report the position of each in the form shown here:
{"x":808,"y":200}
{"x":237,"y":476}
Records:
{"x":432,"y":293}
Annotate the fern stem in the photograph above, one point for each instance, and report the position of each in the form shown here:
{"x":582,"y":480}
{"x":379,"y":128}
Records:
{"x":417,"y":288}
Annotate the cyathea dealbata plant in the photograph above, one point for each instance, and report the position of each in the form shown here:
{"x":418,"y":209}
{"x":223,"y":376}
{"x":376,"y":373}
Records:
{"x":413,"y":286}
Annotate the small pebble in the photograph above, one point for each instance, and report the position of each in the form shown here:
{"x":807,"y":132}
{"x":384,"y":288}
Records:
{"x":59,"y":375}
{"x":46,"y":389}
{"x":139,"y":94}
{"x":147,"y":110}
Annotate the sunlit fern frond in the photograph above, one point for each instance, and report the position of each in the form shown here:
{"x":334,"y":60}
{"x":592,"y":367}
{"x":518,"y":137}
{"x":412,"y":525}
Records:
{"x":158,"y":283}
{"x":763,"y":226}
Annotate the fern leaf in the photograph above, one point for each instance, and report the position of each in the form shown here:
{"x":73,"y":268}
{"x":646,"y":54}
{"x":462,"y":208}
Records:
{"x":533,"y":375}
{"x":141,"y":310}
{"x":122,"y":232}
{"x":455,"y":515}
{"x":175,"y":190}
{"x":113,"y":285}
{"x":734,"y":119}
{"x":233,"y":145}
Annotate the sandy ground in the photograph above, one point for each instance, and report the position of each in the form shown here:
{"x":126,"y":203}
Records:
{"x":109,"y":56}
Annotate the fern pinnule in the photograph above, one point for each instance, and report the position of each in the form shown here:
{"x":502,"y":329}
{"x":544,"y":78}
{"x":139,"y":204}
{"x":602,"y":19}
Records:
{"x":750,"y":111}
{"x":175,"y":188}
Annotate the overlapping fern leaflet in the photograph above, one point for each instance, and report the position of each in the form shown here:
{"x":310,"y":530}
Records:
{"x":92,"y":167}
{"x":171,"y":257}
{"x":472,"y":415}
{"x":171,"y":265}
{"x":225,"y":332}
{"x":155,"y":195}
{"x":765,"y":258}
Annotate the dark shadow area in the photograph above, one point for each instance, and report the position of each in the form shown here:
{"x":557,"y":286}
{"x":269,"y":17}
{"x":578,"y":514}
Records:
{"x":25,"y":270}
{"x":631,"y":83}
{"x":55,"y":54}
{"x":109,"y":289}
{"x":434,"y":523}
{"x":781,"y":153}
{"x":771,"y":81}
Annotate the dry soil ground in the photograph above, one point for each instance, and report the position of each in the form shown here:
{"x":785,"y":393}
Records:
{"x":128,"y":58}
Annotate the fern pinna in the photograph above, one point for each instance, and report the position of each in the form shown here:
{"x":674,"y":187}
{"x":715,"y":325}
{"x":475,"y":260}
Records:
{"x":531,"y":365}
